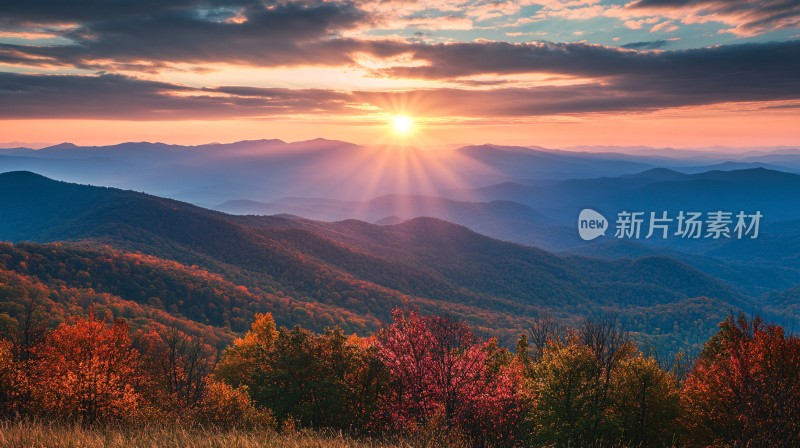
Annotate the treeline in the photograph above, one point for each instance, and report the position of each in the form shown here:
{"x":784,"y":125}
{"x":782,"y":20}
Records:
{"x":229,"y":300}
{"x":188,"y":291}
{"x":421,"y":376}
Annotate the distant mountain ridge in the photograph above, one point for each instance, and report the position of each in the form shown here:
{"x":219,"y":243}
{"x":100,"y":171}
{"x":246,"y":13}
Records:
{"x":545,"y":215}
{"x":269,"y":169}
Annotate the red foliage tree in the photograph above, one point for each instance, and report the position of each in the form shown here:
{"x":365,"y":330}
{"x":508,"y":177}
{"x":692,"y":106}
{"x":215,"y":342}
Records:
{"x":745,"y":388}
{"x":441,"y":375}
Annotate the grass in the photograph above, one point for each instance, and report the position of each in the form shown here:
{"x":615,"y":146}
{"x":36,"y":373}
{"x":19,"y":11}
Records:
{"x":37,"y":434}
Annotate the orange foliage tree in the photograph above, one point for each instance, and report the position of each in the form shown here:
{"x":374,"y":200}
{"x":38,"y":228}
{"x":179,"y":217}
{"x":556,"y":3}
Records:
{"x":9,"y":379}
{"x":88,"y":369}
{"x":224,"y":406}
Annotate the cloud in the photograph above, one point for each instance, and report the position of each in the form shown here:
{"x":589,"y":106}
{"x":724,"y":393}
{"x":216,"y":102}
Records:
{"x":667,"y":26}
{"x":57,"y":11}
{"x":652,"y":45}
{"x":240,"y":32}
{"x":146,"y":36}
{"x":772,"y":65}
{"x":585,"y":98}
{"x":639,"y":24}
{"x":746,"y":17}
{"x":625,"y":79}
{"x":121,"y":97}
{"x":149,"y":35}
{"x":620,"y":81}
{"x":663,"y":3}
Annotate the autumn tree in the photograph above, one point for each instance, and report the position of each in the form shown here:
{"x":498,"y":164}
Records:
{"x":9,"y":379}
{"x":609,"y":345}
{"x":249,"y":354}
{"x":645,"y":401}
{"x":745,"y":387}
{"x":14,"y":390}
{"x":593,"y":387}
{"x":367,"y":379}
{"x":27,"y":326}
{"x":88,"y":369}
{"x":565,"y":384}
{"x":178,"y":366}
{"x":544,"y":331}
{"x":318,"y":380}
{"x":226,"y":407}
{"x":439,"y":371}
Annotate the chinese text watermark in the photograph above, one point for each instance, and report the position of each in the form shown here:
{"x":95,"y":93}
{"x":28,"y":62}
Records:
{"x":719,"y":224}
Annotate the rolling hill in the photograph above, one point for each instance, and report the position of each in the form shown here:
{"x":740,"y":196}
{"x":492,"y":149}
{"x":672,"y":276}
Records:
{"x":503,"y":220}
{"x":349,"y":273}
{"x":544,"y":216}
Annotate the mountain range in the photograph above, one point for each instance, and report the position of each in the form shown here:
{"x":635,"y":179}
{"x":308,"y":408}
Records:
{"x":327,"y":233}
{"x":350,"y":273}
{"x":269,"y":170}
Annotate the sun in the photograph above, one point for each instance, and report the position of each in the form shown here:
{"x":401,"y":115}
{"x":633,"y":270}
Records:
{"x":403,"y":125}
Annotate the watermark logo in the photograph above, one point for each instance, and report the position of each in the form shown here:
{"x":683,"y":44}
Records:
{"x":591,"y":224}
{"x":719,"y":224}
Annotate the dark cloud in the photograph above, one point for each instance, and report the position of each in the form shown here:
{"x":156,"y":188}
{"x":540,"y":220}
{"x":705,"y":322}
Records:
{"x":672,"y":80}
{"x":121,"y":97}
{"x":652,"y":45}
{"x":747,"y":16}
{"x":574,"y":99}
{"x":626,"y":80}
{"x":484,"y":82}
{"x":743,"y":72}
{"x":241,"y":32}
{"x":147,"y":35}
{"x":290,"y":100}
{"x":152,"y":57}
{"x":467,"y":59}
{"x":447,"y":61}
{"x":94,"y":11}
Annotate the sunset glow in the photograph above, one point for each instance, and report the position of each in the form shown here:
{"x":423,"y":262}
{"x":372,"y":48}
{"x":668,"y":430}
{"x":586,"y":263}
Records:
{"x":551,"y":73}
{"x":403,"y":125}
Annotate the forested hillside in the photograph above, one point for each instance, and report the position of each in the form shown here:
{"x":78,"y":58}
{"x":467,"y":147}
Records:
{"x":218,"y":269}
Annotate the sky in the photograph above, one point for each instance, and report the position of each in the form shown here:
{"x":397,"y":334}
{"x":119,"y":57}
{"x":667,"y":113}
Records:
{"x":556,"y":73}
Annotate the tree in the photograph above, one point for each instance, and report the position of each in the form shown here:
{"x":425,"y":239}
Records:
{"x":439,"y":371}
{"x":28,"y":326}
{"x":744,"y":389}
{"x":544,"y":331}
{"x":248,"y":354}
{"x":315,"y":379}
{"x":88,"y":369}
{"x":565,"y":382}
{"x":223,"y":406}
{"x":593,"y":387}
{"x":646,"y":402}
{"x":179,"y":366}
{"x":326,"y":380}
{"x":609,"y":345}
{"x":9,"y":379}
